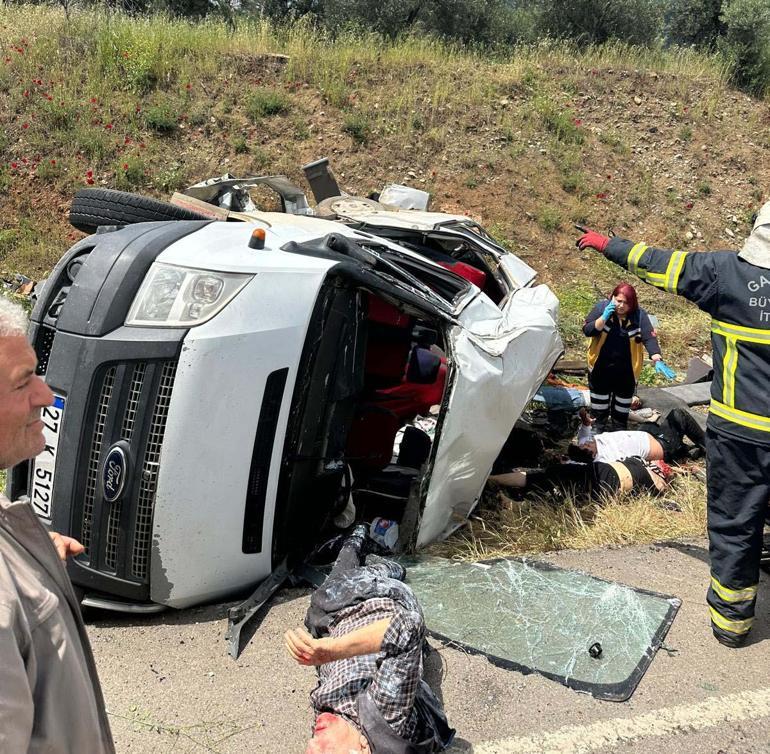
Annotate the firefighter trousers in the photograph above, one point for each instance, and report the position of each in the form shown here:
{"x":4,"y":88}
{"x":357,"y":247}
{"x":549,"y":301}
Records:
{"x":612,"y":388}
{"x":738,"y":493}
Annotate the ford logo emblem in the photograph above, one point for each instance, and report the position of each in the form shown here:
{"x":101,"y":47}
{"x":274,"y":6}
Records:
{"x":114,"y":474}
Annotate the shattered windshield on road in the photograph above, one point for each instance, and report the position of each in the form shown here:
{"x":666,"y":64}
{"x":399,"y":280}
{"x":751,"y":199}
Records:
{"x":589,"y":634}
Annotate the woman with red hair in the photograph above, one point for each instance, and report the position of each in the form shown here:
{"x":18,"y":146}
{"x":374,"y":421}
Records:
{"x":619,"y":331}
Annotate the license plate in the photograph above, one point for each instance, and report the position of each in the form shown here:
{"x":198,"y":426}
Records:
{"x":41,"y":494}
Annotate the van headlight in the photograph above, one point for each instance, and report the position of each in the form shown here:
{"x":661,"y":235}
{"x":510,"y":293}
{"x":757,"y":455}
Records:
{"x":173,"y":296}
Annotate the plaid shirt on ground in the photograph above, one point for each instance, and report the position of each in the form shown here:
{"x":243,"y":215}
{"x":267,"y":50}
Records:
{"x":391,"y":677}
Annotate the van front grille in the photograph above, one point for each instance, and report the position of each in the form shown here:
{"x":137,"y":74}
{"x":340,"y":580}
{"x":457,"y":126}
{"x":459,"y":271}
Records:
{"x":132,"y":401}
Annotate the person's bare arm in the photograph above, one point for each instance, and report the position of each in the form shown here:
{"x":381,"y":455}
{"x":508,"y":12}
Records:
{"x":309,"y":651}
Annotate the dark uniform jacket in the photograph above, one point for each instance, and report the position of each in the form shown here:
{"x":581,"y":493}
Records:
{"x":737,"y":296}
{"x":632,"y":334}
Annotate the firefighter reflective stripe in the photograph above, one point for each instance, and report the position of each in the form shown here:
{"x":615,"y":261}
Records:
{"x":734,"y":334}
{"x":633,"y":258}
{"x":733,"y":626}
{"x":729,"y":365}
{"x":674,"y":270}
{"x":749,"y":334}
{"x":744,"y":418}
{"x":658,"y":279}
{"x":733,"y":595}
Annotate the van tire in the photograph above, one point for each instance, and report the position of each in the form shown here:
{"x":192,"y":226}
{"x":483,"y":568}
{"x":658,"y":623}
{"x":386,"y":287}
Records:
{"x":94,"y":207}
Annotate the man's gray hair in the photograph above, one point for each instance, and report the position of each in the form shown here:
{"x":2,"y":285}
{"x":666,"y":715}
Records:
{"x":13,"y":318}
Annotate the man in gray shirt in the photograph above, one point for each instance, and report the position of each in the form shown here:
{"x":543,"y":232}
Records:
{"x":50,"y":700}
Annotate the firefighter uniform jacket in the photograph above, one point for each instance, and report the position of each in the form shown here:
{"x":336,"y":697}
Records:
{"x":737,"y":296}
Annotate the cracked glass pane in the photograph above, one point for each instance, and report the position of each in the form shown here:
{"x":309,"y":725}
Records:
{"x":589,"y":634}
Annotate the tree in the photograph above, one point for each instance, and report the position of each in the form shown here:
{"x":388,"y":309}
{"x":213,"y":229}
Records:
{"x":596,"y":21}
{"x":694,"y":22}
{"x":746,"y":42}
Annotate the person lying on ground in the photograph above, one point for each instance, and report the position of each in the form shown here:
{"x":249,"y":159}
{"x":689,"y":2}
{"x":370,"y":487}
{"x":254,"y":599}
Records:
{"x":595,"y":479}
{"x":651,"y":442}
{"x":367,"y":637}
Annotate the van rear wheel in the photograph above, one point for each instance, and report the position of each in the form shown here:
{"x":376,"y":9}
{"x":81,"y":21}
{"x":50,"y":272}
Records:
{"x":94,"y":207}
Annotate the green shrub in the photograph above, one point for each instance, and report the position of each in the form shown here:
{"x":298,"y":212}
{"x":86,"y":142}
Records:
{"x":266,"y":102}
{"x":357,"y":126}
{"x":161,"y":118}
{"x":549,"y":219}
{"x":130,"y":173}
{"x":573,"y":183}
{"x":561,"y":124}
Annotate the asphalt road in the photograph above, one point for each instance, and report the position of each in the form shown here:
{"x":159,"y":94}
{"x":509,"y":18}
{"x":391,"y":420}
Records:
{"x":171,"y":687}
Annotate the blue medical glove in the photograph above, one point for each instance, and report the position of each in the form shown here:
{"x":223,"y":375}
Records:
{"x":609,"y":310}
{"x":662,"y":368}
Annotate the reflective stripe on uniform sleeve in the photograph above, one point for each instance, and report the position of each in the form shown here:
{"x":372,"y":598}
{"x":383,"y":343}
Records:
{"x":674,"y":270}
{"x":733,"y":626}
{"x":744,"y":418}
{"x":632,"y":262}
{"x":729,"y":366}
{"x":733,"y":595}
{"x":749,"y":334}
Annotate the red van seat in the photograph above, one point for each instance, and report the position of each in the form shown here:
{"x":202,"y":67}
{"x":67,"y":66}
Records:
{"x":470,"y":273}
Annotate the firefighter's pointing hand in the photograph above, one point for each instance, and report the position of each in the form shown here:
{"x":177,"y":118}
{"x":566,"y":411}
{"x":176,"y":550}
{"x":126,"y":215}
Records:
{"x":592,"y":239}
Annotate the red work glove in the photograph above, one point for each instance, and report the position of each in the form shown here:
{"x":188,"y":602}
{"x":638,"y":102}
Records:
{"x":594,"y":240}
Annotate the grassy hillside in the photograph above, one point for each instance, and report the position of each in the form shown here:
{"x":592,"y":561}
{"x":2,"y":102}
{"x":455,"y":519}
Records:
{"x":651,"y":144}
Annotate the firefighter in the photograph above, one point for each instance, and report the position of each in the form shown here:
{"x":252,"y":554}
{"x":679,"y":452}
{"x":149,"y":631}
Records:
{"x":735,"y":290}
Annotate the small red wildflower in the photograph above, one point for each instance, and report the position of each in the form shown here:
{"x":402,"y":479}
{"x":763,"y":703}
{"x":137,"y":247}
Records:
{"x":577,"y":122}
{"x":127,"y":140}
{"x":188,"y":87}
{"x":94,"y":100}
{"x":125,"y":166}
{"x":25,"y":125}
{"x":688,"y":205}
{"x":53,"y":162}
{"x":108,"y":126}
{"x":14,"y":165}
{"x":90,"y":181}
{"x":138,"y":109}
{"x":601,"y":195}
{"x":24,"y":160}
{"x":89,"y":173}
{"x":25,"y":93}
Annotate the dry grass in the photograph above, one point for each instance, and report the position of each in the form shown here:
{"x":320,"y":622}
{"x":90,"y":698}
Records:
{"x":503,"y":527}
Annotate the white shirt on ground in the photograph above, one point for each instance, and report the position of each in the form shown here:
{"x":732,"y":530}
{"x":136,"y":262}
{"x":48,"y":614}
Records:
{"x":615,"y":446}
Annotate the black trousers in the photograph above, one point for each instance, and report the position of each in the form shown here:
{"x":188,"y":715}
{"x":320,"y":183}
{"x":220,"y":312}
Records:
{"x":612,"y":388}
{"x":738,"y":490}
{"x":675,"y":426}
